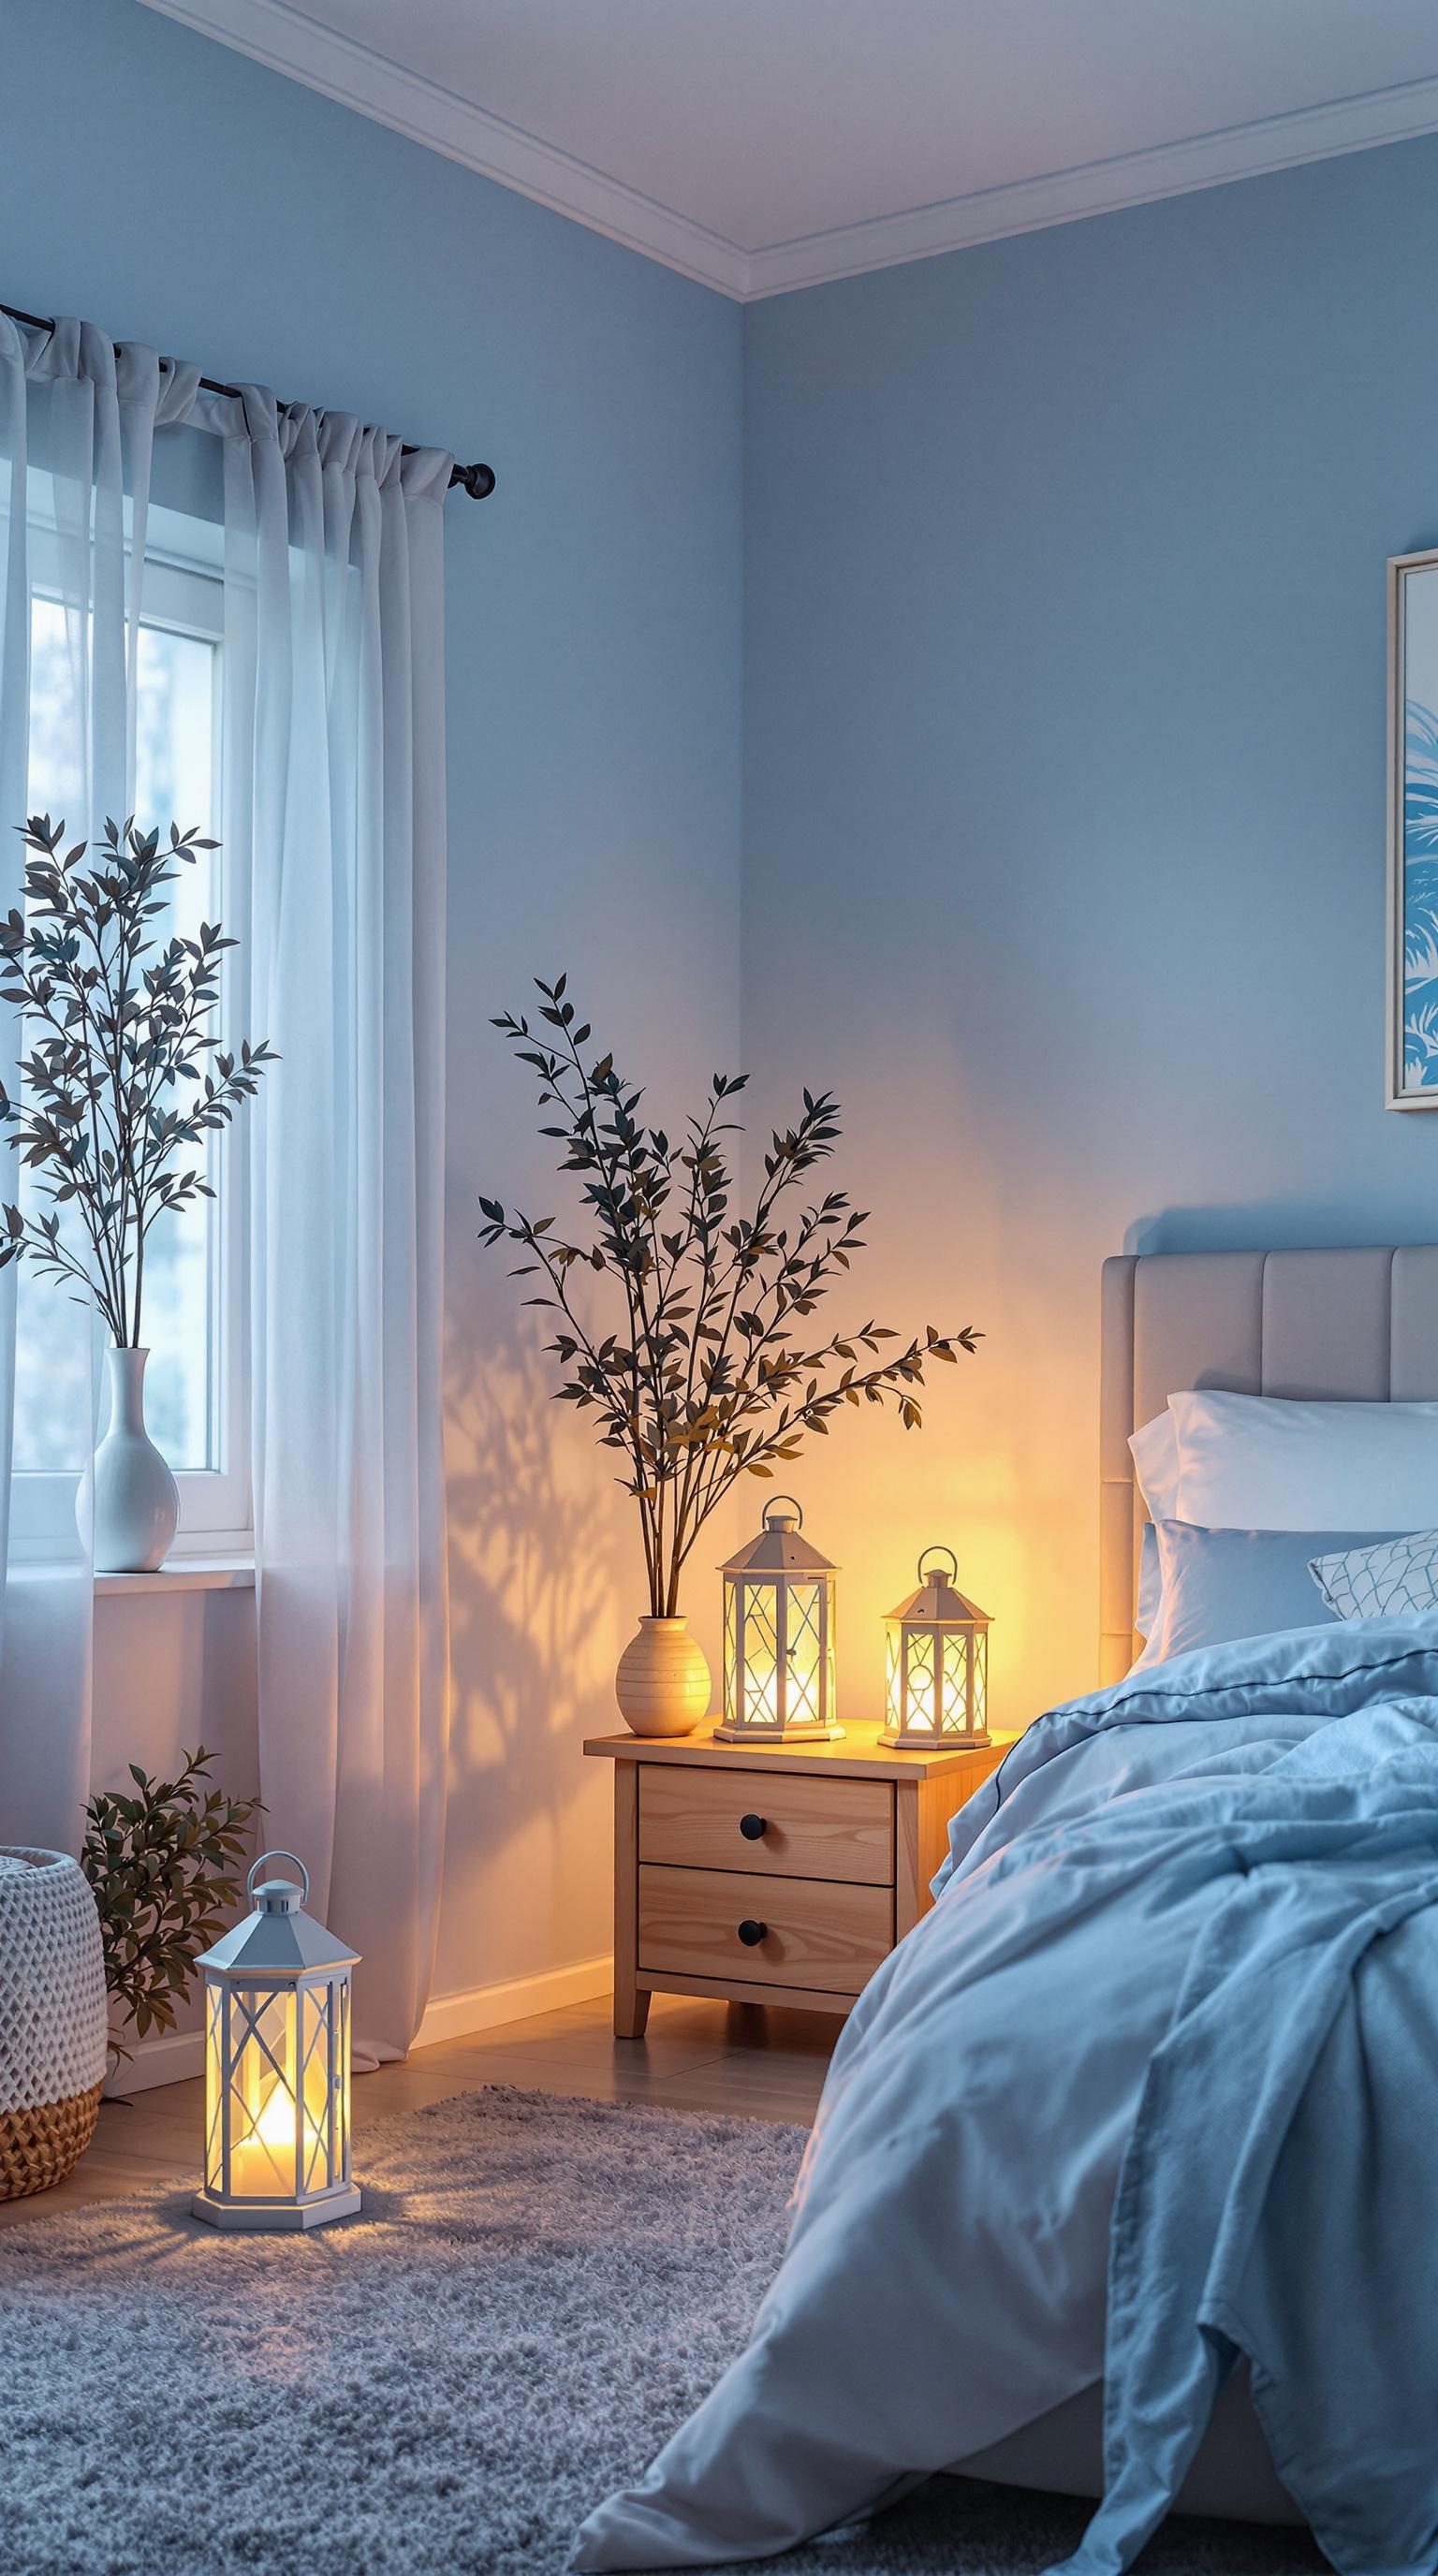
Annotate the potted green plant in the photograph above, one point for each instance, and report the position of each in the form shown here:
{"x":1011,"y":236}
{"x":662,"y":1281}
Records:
{"x":706,"y":1372}
{"x":164,"y":1870}
{"x":120,"y":1089}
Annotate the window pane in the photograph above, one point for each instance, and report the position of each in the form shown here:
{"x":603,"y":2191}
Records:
{"x":173,"y":780}
{"x":177,"y":684}
{"x":52,"y":1356}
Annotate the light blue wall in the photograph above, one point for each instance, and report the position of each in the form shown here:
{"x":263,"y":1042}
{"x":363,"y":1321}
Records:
{"x":1063,"y":842}
{"x":172,"y":191}
{"x":1065,"y":797}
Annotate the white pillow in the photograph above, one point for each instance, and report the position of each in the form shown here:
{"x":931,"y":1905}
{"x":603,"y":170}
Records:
{"x":1267,"y":1462}
{"x":1386,"y":1582}
{"x":1154,"y":1450}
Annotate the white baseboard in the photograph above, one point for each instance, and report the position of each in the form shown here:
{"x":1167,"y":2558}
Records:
{"x":173,"y":2056}
{"x":488,"y":2007}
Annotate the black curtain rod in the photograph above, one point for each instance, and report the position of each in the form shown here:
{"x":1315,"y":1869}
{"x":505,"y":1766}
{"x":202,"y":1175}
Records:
{"x":476,"y":480}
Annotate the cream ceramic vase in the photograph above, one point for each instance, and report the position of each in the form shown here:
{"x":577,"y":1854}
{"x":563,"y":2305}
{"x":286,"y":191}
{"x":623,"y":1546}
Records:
{"x":137,"y":1501}
{"x":662,"y":1684}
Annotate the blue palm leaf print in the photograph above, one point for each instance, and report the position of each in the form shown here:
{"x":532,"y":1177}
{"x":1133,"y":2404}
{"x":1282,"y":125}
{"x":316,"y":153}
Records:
{"x":1420,"y":896}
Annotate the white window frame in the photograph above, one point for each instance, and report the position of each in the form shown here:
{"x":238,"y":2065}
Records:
{"x":184,"y":594}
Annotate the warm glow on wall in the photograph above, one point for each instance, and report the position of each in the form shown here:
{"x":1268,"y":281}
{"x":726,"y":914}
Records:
{"x":778,"y":1636}
{"x":277,"y":2066}
{"x":937,"y":1663}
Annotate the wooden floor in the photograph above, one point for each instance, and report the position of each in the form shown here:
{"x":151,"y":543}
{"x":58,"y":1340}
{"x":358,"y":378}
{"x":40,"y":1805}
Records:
{"x":757,"y":2060}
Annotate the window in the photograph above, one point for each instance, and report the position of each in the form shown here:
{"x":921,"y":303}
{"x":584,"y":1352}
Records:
{"x":193,"y":1315}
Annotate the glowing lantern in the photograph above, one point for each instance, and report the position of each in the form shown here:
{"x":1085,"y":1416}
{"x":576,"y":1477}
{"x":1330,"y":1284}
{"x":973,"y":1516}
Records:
{"x":277,"y":2065}
{"x":938,"y":1664}
{"x":778,"y":1636}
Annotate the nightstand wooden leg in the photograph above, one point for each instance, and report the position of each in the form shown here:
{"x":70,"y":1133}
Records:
{"x":631,"y":2002}
{"x":631,"y":2010}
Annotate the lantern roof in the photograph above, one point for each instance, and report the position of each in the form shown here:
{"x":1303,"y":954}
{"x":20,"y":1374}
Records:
{"x":278,"y":1939}
{"x":779,"y":1548}
{"x":938,"y":1603}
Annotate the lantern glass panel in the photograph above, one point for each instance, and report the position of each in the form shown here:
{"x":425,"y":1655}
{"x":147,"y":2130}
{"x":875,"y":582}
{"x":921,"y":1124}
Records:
{"x":316,"y":2003}
{"x":956,"y":1686}
{"x":263,"y":2115}
{"x":979,"y":1667}
{"x":731,"y":1647}
{"x":760,"y":1676}
{"x":215,"y":2087}
{"x":803,"y":1655}
{"x":924,"y":1652}
{"x":894,"y":1672}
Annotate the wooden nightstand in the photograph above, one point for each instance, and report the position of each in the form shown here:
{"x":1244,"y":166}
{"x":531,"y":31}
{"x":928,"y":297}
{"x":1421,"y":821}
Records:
{"x":772,"y":1874}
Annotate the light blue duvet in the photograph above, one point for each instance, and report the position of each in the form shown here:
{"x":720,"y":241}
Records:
{"x":1154,"y":2086}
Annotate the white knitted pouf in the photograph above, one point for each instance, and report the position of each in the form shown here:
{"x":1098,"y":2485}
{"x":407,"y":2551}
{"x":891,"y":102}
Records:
{"x":52,"y":2018}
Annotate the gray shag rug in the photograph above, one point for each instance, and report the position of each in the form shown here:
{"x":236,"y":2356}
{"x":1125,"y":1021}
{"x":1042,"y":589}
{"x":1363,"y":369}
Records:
{"x":535,"y":2294}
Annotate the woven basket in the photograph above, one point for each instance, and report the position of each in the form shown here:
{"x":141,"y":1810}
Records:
{"x":52,"y":2018}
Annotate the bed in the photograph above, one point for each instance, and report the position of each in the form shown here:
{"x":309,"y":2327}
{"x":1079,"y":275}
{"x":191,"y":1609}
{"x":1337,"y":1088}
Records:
{"x":1357,"y":1326}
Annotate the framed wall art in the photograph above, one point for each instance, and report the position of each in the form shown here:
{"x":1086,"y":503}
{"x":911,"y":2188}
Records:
{"x":1412,"y":1074}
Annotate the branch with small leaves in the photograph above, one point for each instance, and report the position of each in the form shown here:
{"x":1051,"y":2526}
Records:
{"x":708,"y":1374}
{"x":165,"y":1870}
{"x":121,"y":1084}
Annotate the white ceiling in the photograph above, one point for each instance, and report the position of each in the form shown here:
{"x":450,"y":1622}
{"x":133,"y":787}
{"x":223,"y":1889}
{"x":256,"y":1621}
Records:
{"x":763,"y":144}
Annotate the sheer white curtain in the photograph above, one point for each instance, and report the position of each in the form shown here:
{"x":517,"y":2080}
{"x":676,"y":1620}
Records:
{"x":334,"y":778}
{"x":334,"y":825}
{"x":77,"y":426}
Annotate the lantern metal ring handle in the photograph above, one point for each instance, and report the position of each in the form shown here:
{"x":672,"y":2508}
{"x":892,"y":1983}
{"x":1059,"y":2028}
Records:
{"x":258,"y":1865}
{"x":773,"y":1504}
{"x":940,"y":1551}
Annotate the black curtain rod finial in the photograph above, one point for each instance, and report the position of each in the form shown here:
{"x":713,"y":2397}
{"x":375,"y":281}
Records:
{"x":476,"y":480}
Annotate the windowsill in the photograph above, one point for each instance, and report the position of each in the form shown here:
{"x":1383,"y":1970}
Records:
{"x":184,"y":1574}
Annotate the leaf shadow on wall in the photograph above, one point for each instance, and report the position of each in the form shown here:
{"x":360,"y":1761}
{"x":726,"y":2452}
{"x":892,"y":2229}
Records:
{"x":542,"y":1562}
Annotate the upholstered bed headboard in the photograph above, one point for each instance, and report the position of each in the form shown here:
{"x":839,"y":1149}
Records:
{"x":1360,"y":1325}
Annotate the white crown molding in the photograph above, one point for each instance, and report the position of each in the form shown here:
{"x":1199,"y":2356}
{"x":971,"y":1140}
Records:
{"x":1099,"y":188}
{"x":285,"y":40}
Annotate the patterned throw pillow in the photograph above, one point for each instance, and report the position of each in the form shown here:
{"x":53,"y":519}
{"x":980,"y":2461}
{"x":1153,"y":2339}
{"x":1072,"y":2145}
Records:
{"x":1397,"y":1578}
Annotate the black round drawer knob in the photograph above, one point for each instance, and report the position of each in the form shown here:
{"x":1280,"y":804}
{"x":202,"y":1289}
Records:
{"x":753,"y":1828}
{"x":752,"y":1933}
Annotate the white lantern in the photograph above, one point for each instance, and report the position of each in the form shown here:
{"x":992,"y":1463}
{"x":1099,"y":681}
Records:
{"x":277,"y":2065}
{"x":938,"y":1665}
{"x":778,"y":1637}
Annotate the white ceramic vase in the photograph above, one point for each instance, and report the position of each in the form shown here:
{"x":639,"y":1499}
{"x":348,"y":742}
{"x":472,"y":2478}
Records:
{"x":662,"y":1684}
{"x":137,"y":1501}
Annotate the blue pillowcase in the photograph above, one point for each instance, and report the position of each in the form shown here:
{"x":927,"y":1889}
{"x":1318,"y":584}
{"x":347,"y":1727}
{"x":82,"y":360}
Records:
{"x":1221,"y":1584}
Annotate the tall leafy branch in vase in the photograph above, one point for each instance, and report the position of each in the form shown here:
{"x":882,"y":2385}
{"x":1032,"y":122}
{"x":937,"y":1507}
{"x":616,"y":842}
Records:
{"x":710,"y":1375}
{"x":122,"y":1084}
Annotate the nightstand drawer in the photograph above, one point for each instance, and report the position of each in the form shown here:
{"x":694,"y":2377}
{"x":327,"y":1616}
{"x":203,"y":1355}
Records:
{"x":812,"y":1827}
{"x":822,"y":1934}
